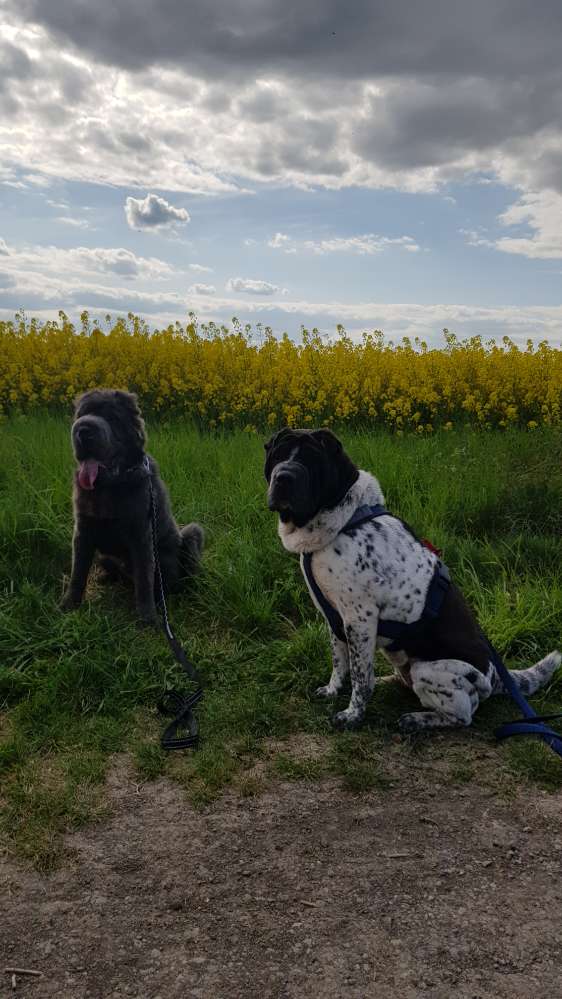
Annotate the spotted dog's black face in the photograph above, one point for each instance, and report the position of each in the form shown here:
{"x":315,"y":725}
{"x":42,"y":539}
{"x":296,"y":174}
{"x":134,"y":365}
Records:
{"x":307,"y":471}
{"x":107,"y":431}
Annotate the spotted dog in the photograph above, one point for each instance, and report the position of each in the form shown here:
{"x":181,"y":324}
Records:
{"x":374,"y":573}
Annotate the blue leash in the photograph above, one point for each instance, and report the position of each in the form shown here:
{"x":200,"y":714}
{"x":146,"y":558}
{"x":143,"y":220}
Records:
{"x":531,"y":723}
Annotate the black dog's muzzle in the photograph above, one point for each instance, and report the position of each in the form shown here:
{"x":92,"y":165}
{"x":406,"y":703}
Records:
{"x":90,"y":437}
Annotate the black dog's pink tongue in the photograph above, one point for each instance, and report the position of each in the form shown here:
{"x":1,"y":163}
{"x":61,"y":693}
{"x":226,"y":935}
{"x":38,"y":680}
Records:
{"x":88,"y":473}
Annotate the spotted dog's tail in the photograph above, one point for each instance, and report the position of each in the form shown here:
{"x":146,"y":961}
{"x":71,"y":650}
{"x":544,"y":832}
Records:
{"x":532,"y":679}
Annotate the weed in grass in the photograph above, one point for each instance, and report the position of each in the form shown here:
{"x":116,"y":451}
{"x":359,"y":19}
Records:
{"x":356,"y":758}
{"x":300,"y":768}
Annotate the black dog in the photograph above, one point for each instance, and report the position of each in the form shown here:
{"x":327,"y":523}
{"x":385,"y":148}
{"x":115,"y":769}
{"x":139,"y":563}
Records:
{"x":112,"y":504}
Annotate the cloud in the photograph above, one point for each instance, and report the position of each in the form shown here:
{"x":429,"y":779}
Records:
{"x":362,"y":245}
{"x":69,"y":220}
{"x":542,"y":213}
{"x":278,"y":241}
{"x":304,"y":95}
{"x":200,"y":269}
{"x":474,"y":237}
{"x":202,"y":289}
{"x":539,"y":212}
{"x":6,"y":281}
{"x":251,"y":286}
{"x":44,"y":295}
{"x":366,"y":244}
{"x":153,"y":212}
{"x":76,"y":263}
{"x":295,"y":35}
{"x":119,"y":261}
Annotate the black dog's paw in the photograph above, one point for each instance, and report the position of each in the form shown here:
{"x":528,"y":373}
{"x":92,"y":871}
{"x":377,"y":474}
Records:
{"x":346,"y":721}
{"x":69,"y":603}
{"x":149,"y":621}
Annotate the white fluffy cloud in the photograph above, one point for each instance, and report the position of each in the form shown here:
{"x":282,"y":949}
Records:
{"x":202,"y":289}
{"x":153,"y":212}
{"x":250,"y":286}
{"x":118,"y":261}
{"x":542,"y":213}
{"x":54,"y":262}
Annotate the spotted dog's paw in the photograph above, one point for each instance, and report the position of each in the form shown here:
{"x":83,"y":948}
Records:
{"x":346,"y":720}
{"x":410,"y":723}
{"x":326,"y":693}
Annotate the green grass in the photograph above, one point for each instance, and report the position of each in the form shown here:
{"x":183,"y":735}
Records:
{"x":76,"y":689}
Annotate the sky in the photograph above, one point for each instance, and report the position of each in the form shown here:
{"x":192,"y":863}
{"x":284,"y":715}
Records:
{"x":383,"y":165}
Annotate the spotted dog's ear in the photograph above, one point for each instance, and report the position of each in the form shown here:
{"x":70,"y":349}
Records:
{"x":277,"y":438}
{"x":269,"y":447}
{"x":328,"y":440}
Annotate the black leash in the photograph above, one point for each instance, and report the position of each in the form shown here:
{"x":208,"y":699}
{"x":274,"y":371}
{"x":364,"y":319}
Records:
{"x":183,"y":730}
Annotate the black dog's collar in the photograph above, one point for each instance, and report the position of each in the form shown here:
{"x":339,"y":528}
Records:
{"x":117,"y":476}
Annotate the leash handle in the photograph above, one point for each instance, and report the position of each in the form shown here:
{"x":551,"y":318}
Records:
{"x":176,"y":705}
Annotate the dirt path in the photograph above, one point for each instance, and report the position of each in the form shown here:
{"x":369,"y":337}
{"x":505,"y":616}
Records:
{"x":301,"y":892}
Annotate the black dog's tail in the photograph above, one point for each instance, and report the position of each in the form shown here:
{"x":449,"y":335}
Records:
{"x":192,"y":542}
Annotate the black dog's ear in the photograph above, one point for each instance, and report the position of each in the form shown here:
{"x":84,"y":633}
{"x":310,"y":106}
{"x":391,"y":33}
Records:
{"x":329,"y":440}
{"x":85,"y":400}
{"x":128,"y":403}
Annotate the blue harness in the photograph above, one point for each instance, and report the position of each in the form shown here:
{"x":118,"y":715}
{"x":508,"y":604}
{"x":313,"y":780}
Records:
{"x":399,"y":631}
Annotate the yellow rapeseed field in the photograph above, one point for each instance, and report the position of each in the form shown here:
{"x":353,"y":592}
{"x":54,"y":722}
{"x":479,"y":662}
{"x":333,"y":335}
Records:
{"x":239,"y":377}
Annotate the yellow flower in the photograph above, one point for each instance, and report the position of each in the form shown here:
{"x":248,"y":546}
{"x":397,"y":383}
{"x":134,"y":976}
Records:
{"x":226,"y":376}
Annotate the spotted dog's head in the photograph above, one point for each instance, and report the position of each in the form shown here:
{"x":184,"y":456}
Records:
{"x":307,"y":471}
{"x":107,"y":433}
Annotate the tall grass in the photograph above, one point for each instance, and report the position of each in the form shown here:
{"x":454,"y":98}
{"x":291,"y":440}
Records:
{"x":76,"y":688}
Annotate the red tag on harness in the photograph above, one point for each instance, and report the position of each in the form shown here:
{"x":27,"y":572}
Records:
{"x":432,"y":548}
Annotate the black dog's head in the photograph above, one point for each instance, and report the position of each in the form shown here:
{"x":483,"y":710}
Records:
{"x":307,"y":471}
{"x":108,"y":431}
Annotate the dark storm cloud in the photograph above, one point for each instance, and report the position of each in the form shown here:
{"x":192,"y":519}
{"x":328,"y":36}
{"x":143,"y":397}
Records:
{"x":425,"y":124}
{"x":14,"y":62}
{"x":362,"y":37}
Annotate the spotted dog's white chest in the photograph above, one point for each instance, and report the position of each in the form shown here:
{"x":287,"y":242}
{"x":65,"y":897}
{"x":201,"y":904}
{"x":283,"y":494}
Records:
{"x":380,"y":568}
